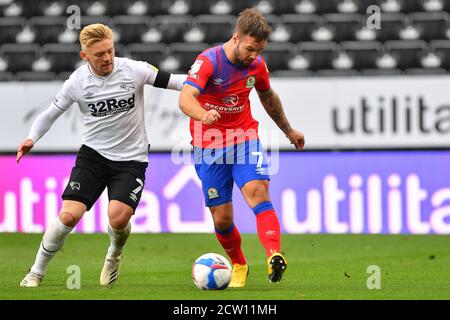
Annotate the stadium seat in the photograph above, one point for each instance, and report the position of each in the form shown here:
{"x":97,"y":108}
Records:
{"x":301,"y":6}
{"x":442,"y":50}
{"x":319,"y":54}
{"x":47,"y":29}
{"x":411,"y":6}
{"x":277,"y":55}
{"x":152,"y":53}
{"x":63,"y":57}
{"x":131,"y":28}
{"x":186,"y":53}
{"x":102,"y":7}
{"x":216,"y":28}
{"x":432,"y":25}
{"x":10,"y":27}
{"x":172,"y":28}
{"x":281,"y":7}
{"x":155,"y":7}
{"x":348,"y":6}
{"x":363,"y":53}
{"x":52,"y":8}
{"x":204,"y":7}
{"x":342,"y":61}
{"x":329,"y":6}
{"x":19,"y":56}
{"x":299,"y":26}
{"x":343,"y":25}
{"x":432,"y":5}
{"x":407,"y":53}
{"x":390,"y":6}
{"x":280,"y":34}
{"x":177,"y":7}
{"x":116,"y":8}
{"x":20,"y":8}
{"x":390,"y":24}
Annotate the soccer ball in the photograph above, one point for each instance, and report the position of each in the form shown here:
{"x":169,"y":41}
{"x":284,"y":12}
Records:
{"x":211,"y":271}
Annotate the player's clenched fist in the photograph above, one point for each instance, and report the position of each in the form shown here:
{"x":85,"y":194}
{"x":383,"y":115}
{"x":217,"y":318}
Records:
{"x":24,"y":148}
{"x":210,"y":117}
{"x":297,"y":139}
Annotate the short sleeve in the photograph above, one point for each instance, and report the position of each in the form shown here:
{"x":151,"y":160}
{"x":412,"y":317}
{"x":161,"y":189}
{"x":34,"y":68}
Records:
{"x":262,"y":79}
{"x":200,"y":72}
{"x":66,"y":96}
{"x":145,"y":72}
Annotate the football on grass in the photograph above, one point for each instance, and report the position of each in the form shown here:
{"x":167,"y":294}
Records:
{"x":211,"y":271}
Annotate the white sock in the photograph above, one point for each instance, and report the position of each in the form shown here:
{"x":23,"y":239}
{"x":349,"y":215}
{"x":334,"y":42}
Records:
{"x":118,"y":239}
{"x":52,"y":241}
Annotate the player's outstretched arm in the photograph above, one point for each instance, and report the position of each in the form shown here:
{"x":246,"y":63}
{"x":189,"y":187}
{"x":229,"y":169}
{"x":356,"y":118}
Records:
{"x":272,"y":104}
{"x":40,"y":126}
{"x":192,"y":108}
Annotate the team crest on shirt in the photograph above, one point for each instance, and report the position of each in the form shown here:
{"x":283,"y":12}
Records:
{"x":251,"y":82}
{"x":213,"y":193}
{"x":195,"y":68}
{"x":127,"y":86}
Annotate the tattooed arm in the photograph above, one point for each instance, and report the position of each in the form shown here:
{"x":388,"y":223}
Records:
{"x":272,"y":103}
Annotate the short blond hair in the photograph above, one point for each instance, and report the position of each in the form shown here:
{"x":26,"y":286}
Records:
{"x":93,"y":33}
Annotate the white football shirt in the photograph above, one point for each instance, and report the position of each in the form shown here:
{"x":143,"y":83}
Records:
{"x":112,"y":107}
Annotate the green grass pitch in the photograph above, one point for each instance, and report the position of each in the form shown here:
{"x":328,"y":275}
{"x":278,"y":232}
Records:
{"x":158,"y":266}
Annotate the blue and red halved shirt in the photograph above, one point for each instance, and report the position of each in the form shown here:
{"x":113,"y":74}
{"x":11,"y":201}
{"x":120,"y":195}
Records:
{"x":226,"y":87}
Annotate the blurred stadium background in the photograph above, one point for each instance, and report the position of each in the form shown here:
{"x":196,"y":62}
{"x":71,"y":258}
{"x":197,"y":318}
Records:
{"x":310,"y":38}
{"x":373,"y":104}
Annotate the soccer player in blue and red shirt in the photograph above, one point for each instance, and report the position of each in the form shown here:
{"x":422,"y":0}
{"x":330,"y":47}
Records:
{"x":225,"y":138}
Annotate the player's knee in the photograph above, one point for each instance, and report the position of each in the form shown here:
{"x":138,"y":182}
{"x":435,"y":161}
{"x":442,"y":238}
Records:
{"x":223,"y":224}
{"x":119,"y":220}
{"x":67,"y":219}
{"x":222,"y":216}
{"x":259,"y":191}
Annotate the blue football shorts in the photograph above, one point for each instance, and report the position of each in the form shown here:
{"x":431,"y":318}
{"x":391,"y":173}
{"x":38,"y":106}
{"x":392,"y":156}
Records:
{"x":218,"y":169}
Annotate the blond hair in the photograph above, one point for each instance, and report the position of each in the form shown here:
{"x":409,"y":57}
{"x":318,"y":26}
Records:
{"x":93,"y":33}
{"x":252,"y":23}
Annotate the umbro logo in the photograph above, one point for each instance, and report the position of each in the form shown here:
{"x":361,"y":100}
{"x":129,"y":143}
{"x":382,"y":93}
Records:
{"x":271,"y":233}
{"x":217,"y":81}
{"x":88,"y":95}
{"x":260,"y":171}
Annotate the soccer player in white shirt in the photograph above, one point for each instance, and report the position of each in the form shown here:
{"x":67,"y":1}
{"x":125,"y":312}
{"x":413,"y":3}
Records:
{"x":109,"y":92}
